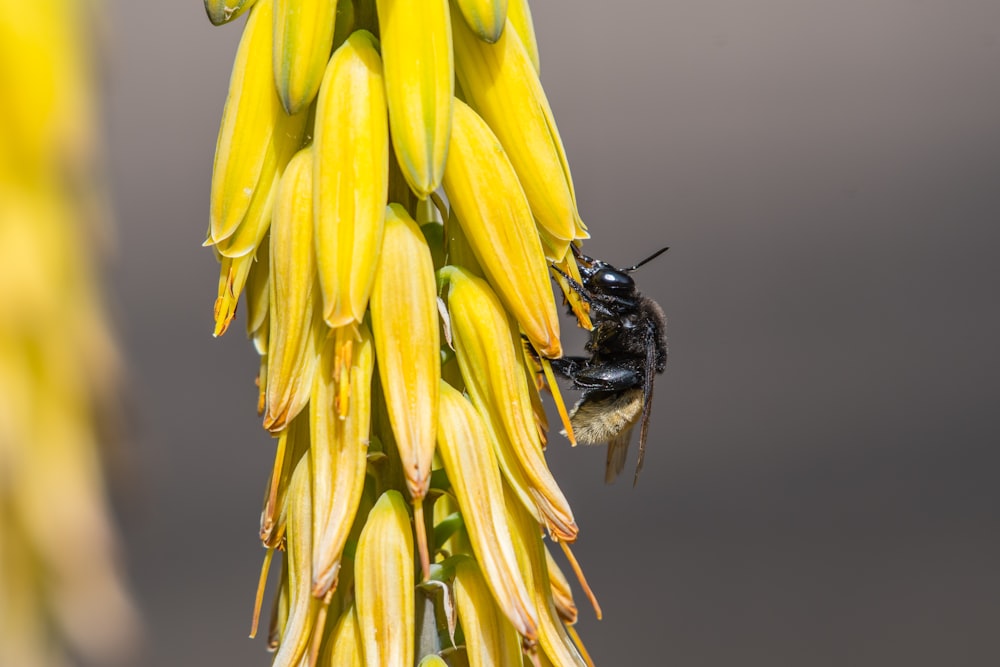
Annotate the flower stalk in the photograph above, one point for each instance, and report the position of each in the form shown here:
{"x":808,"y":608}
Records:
{"x":391,"y":325}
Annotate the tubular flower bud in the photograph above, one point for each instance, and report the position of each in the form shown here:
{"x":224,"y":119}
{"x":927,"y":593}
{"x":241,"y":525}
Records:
{"x":490,"y":205}
{"x":303,"y":36}
{"x":224,"y":11}
{"x":233,"y":276}
{"x":490,"y":638}
{"x":552,"y":635}
{"x":256,"y":296}
{"x":302,"y":607}
{"x":339,"y":448}
{"x":344,"y":645}
{"x":293,"y":443}
{"x":383,"y":573}
{"x":255,"y":140}
{"x":495,"y":79}
{"x":405,"y":326}
{"x":562,"y":594}
{"x":351,"y":175}
{"x":485,"y":18}
{"x":519,"y":15}
{"x":472,"y":466}
{"x":485,"y":344}
{"x":295,"y":327}
{"x":569,"y":267}
{"x":419,"y":84}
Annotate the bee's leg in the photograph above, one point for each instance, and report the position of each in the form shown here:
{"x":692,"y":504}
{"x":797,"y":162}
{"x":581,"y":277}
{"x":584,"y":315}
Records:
{"x":605,"y":331}
{"x":568,"y":367}
{"x":577,"y":287}
{"x":596,"y":303}
{"x":607,"y":377}
{"x":579,"y":254}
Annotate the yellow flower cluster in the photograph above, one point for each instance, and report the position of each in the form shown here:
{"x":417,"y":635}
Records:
{"x":402,"y":338}
{"x":61,"y":591}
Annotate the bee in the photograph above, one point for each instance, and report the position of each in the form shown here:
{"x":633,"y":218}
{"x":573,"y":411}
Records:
{"x":627,"y":348}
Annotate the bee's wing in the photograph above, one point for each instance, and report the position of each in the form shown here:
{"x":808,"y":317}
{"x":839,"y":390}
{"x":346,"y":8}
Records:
{"x":617,"y":453}
{"x":647,"y":400}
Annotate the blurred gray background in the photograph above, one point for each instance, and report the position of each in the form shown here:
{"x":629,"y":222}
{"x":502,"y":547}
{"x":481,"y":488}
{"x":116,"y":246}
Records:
{"x":821,"y":481}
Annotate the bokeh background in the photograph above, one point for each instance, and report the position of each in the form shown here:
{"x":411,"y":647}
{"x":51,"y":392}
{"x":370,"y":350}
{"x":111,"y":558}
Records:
{"x":821,"y":481}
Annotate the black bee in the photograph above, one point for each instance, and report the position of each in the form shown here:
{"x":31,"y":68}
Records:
{"x":627,"y":347}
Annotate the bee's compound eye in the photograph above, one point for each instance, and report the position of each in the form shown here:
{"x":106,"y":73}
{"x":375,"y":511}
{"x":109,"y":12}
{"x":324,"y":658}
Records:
{"x":613,"y":281}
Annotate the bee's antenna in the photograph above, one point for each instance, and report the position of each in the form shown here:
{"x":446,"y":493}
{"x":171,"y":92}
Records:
{"x":648,"y":259}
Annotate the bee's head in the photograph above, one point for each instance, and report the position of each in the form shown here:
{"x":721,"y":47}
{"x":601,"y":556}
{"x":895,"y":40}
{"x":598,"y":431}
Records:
{"x":603,"y":278}
{"x":607,"y":279}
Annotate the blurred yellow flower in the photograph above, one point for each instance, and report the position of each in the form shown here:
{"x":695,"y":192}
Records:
{"x":61,"y":590}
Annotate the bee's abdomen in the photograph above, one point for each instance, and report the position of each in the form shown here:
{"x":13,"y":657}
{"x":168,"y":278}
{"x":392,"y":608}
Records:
{"x":598,"y":420}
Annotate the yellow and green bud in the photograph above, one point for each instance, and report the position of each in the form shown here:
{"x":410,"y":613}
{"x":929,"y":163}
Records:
{"x":224,"y":11}
{"x":233,"y":275}
{"x":303,"y":37}
{"x":488,"y":353}
{"x":384,"y":584}
{"x":351,"y":177}
{"x":471,"y":465}
{"x":296,"y":327}
{"x":500,"y":82}
{"x":519,"y":15}
{"x":256,"y":139}
{"x":293,"y":444}
{"x":257,"y":297}
{"x":405,"y":326}
{"x":490,"y":639}
{"x":296,"y":631}
{"x":344,"y":645}
{"x":490,"y":205}
{"x":552,"y":636}
{"x":562,"y":594}
{"x":339,"y":447}
{"x":485,"y":18}
{"x":419,"y":81}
